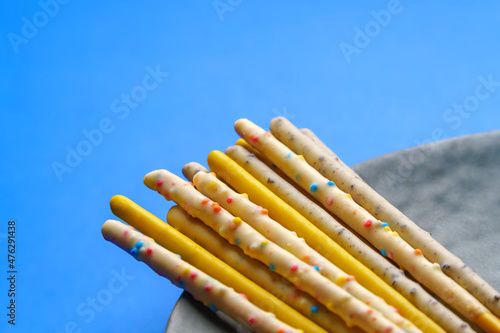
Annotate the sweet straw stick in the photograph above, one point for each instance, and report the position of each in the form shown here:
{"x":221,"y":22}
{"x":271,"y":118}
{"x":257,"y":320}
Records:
{"x":195,"y":255}
{"x":376,"y":232}
{"x":233,"y":229}
{"x":211,"y":292}
{"x":257,"y":217}
{"x":327,"y":163}
{"x":350,"y":242}
{"x":243,"y":182}
{"x":256,"y":271}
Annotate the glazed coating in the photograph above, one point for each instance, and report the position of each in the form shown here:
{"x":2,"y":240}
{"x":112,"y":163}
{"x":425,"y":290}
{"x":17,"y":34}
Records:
{"x":211,"y":292}
{"x":327,"y":163}
{"x":256,"y":271}
{"x":344,"y":237}
{"x":174,"y":241}
{"x":258,"y":218}
{"x":376,"y":232}
{"x":303,"y":276}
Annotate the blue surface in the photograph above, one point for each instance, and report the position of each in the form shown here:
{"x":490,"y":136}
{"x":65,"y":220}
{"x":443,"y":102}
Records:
{"x":365,"y":96}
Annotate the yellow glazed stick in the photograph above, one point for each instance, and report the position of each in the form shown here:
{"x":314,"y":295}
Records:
{"x":349,"y":241}
{"x":211,"y":292}
{"x":256,"y":271}
{"x":195,"y":255}
{"x":253,"y":244}
{"x":243,"y":182}
{"x":376,"y":232}
{"x":257,"y":217}
{"x":328,"y":163}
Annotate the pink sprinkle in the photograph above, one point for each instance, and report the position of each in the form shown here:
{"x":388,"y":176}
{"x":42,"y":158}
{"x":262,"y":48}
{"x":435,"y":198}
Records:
{"x":149,"y":251}
{"x":208,"y":287}
{"x":388,"y":329}
{"x":244,"y":296}
{"x":294,"y":268}
{"x":159,"y":183}
{"x":229,"y":199}
{"x":125,"y":233}
{"x":368,"y":223}
{"x":193,"y":275}
{"x":251,"y":320}
{"x":255,"y":138}
{"x":329,"y":201}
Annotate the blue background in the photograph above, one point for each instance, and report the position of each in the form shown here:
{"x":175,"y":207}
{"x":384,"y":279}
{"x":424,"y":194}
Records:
{"x":252,"y":59}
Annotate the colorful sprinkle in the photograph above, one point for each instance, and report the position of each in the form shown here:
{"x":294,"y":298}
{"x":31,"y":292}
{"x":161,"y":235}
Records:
{"x":254,"y":138}
{"x":294,"y":268}
{"x":271,"y":267}
{"x":237,"y":221}
{"x":251,"y":320}
{"x":349,"y":196}
{"x":288,"y":155}
{"x":212,"y":186}
{"x":205,"y":201}
{"x":418,"y":252}
{"x":138,"y":245}
{"x":384,"y":224}
{"x":314,"y":187}
{"x":216,"y":207}
{"x":245,"y":195}
{"x":181,"y":284}
{"x":301,"y":157}
{"x":314,"y":309}
{"x":329,"y":201}
{"x":330,"y":183}
{"x":368,"y":223}
{"x":229,"y":200}
{"x":341,"y":280}
{"x":264,"y":211}
{"x":185,"y":271}
{"x":159,"y":183}
{"x":212,"y":307}
{"x":193,"y":275}
{"x":208,"y":287}
{"x":305,"y":258}
{"x":383,"y":252}
{"x":244,"y":296}
{"x":149,"y":251}
{"x":316,"y":267}
{"x":133,"y":252}
{"x":387,"y":229}
{"x":237,"y":241}
{"x":264,"y":243}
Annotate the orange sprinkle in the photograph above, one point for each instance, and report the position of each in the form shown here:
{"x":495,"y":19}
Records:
{"x":216,"y":207}
{"x":204,"y":201}
{"x":418,"y":252}
{"x":264,"y":211}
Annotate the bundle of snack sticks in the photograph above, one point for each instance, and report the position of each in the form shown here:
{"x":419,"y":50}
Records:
{"x":282,"y":236}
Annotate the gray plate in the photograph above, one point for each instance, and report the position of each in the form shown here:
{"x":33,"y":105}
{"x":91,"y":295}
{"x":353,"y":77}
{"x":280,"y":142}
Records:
{"x":450,"y":188}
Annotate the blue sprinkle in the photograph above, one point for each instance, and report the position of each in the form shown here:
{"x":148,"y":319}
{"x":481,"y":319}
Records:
{"x":385,"y":224}
{"x":314,"y":309}
{"x":313,"y":187}
{"x":271,"y":267}
{"x":316,"y":267}
{"x":181,"y":284}
{"x":139,"y":244}
{"x":133,"y":252}
{"x":383,"y":252}
{"x":288,"y":155}
{"x":330,"y":183}
{"x":212,"y":307}
{"x":178,"y":255}
{"x":237,"y":241}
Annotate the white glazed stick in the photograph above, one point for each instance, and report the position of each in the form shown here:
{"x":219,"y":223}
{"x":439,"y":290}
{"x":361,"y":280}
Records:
{"x":349,"y":241}
{"x":376,"y":232}
{"x":258,"y":218}
{"x":317,"y":154}
{"x":211,"y":292}
{"x":253,"y":244}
